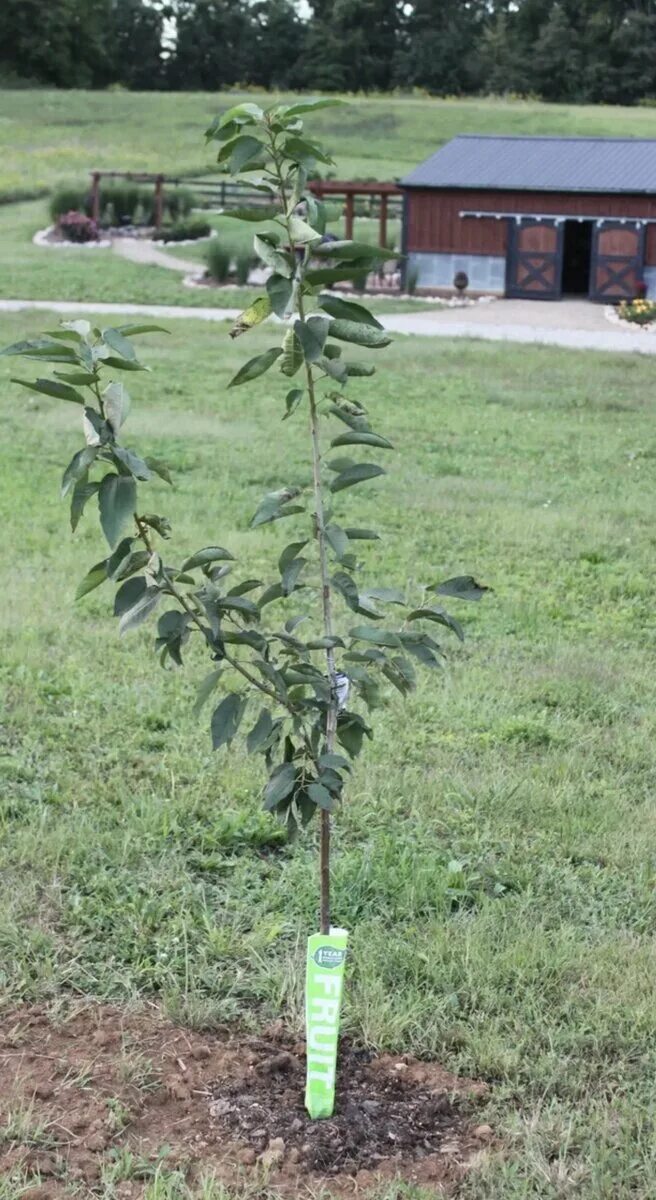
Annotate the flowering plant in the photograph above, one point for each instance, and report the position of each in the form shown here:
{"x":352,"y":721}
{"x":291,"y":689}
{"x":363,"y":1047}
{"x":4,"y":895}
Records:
{"x":77,"y":227}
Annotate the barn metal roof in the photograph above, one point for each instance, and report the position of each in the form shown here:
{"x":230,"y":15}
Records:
{"x":540,"y":164}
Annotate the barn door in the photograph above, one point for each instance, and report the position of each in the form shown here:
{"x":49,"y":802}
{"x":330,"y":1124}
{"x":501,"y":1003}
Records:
{"x":617,"y":260}
{"x":535,"y":259}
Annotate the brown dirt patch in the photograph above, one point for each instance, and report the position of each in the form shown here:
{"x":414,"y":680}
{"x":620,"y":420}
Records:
{"x":95,"y":1094}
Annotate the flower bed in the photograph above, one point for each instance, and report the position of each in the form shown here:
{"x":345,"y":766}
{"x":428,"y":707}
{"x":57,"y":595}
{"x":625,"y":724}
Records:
{"x":637,"y":312}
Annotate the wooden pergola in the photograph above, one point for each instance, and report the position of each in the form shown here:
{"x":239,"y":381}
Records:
{"x":225,"y":192}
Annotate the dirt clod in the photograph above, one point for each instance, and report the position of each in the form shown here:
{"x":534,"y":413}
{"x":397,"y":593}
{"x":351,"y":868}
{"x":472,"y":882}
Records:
{"x":483,"y":1133}
{"x":247,"y":1156}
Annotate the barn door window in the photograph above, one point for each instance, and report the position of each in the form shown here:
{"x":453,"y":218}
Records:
{"x":617,"y":260}
{"x":535,"y":259}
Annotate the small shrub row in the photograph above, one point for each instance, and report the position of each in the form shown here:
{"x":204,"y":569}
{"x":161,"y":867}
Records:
{"x":122,"y":202}
{"x":638,"y":312}
{"x":184,"y":231}
{"x":219,"y":258}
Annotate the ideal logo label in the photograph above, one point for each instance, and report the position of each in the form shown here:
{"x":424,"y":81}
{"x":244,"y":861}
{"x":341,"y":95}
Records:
{"x":329,"y":956}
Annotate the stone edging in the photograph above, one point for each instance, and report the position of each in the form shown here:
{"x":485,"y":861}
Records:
{"x":42,"y":235}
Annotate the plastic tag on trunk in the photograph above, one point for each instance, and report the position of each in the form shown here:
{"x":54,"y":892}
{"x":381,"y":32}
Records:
{"x":326,"y":955}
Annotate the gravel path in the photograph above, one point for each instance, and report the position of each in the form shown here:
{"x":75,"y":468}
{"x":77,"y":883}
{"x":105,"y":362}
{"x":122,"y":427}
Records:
{"x":137,"y":250}
{"x":573,"y":324}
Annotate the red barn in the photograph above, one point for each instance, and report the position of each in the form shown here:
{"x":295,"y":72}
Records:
{"x":534,"y":217}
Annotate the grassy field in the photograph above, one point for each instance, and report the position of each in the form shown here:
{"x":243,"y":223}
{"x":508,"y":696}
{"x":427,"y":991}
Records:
{"x":50,"y":136}
{"x":496,"y":856}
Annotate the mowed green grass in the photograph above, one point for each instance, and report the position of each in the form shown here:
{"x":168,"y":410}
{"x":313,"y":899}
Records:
{"x":50,"y":136}
{"x":495,"y":857}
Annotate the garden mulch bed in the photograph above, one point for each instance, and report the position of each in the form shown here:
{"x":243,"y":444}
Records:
{"x":78,"y":1089}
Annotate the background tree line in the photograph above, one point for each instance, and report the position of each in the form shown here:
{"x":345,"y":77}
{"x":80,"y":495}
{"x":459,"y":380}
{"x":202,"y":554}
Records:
{"x":568,"y":50}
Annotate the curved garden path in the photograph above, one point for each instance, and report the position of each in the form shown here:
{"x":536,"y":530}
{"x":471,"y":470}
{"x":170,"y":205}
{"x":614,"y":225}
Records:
{"x":137,"y":250}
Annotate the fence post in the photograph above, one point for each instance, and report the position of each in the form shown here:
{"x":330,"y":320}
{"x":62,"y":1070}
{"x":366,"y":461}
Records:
{"x":159,"y":201}
{"x":349,"y":216}
{"x":382,"y":236}
{"x":95,"y":195}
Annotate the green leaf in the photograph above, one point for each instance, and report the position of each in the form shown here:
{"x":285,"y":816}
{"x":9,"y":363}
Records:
{"x":358,"y":437}
{"x":322,"y":797}
{"x":355,"y":474}
{"x":348,"y":250}
{"x":304,"y":106}
{"x":134,"y":330}
{"x":337,"y":540}
{"x":279,"y":290}
{"x":244,"y":149}
{"x":347,"y":589}
{"x":260,"y":733}
{"x":335,"y":368}
{"x":205,"y":689}
{"x":291,"y":574}
{"x":276,"y":505}
{"x":258,"y":311}
{"x":351,"y":729}
{"x":140,"y":611}
{"x":226,"y":719}
{"x":92,"y":579}
{"x":43,"y":348}
{"x":82,"y":492}
{"x":208,"y":554}
{"x":359,"y":370}
{"x":266,"y":247}
{"x":116,"y":402}
{"x":292,"y":401}
{"x":78,"y":467}
{"x":311,"y":340}
{"x":256,"y":366}
{"x":281,"y":782}
{"x":305,"y":152}
{"x":379,"y":637}
{"x":290,"y":552}
{"x":123,"y":364}
{"x":301,"y":233}
{"x":241,"y":114}
{"x":50,"y":387}
{"x":387,"y":595}
{"x":117,"y":500}
{"x":362,"y":535}
{"x":292,"y":354}
{"x":440,"y":616}
{"x":159,"y":468}
{"x":82,"y":378}
{"x":334,"y":762}
{"x":264,"y":213}
{"x":360,"y":335}
{"x":422,"y":647}
{"x":132,"y":463}
{"x":129,"y":594}
{"x":325,"y":643}
{"x":119,"y":344}
{"x":348,"y":310}
{"x":462,"y":587}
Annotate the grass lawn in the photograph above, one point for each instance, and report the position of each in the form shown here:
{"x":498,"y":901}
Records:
{"x":53,"y":136}
{"x":495,"y":857}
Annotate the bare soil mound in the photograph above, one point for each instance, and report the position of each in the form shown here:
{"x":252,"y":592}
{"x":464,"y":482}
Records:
{"x":102,"y":1095}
